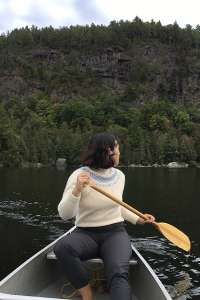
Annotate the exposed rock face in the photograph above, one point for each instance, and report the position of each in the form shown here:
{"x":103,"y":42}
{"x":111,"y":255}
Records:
{"x":61,"y":164}
{"x":113,"y":63}
{"x":177,"y":165}
{"x":12,"y":86}
{"x":155,"y":68}
{"x":49,"y":54}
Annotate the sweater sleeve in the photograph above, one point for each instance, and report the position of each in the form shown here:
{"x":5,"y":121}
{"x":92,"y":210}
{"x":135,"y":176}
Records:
{"x":68,"y":206}
{"x":127,"y":214}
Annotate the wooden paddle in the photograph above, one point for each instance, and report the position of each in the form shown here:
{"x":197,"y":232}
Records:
{"x":173,"y":234}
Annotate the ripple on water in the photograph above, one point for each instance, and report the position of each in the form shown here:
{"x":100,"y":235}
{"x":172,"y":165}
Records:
{"x":195,"y":292}
{"x":178,"y":271}
{"x":28,"y":214}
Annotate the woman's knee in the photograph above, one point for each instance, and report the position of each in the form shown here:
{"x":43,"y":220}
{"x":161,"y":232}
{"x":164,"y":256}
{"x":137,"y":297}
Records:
{"x":64,"y":249}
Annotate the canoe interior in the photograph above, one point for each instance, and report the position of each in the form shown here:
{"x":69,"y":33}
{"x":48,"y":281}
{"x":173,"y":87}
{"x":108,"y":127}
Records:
{"x":98,"y":282}
{"x":46,"y":279}
{"x":42,"y":278}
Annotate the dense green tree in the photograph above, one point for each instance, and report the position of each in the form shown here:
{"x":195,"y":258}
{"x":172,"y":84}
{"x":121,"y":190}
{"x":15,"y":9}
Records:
{"x":56,"y":93}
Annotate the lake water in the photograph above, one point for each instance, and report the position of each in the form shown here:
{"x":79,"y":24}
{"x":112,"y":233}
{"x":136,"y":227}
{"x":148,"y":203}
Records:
{"x":29,"y":220}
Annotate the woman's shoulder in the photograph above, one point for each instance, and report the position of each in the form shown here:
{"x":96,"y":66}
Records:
{"x":75,"y":173}
{"x":120,"y":173}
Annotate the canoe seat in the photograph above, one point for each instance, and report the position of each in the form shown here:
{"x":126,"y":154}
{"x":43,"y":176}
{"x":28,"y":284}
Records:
{"x":51,"y":255}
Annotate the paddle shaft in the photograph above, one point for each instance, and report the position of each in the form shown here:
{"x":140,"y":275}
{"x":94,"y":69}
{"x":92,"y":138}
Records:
{"x":173,"y":234}
{"x":118,"y":201}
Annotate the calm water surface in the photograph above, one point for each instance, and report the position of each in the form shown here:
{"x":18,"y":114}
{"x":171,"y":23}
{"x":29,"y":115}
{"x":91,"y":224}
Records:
{"x":29,"y":220}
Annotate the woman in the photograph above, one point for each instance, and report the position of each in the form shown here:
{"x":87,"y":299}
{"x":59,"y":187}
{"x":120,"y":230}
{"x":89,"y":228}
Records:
{"x":100,"y":229}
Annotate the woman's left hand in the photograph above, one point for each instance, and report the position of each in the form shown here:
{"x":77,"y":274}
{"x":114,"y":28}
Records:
{"x":150,"y":219}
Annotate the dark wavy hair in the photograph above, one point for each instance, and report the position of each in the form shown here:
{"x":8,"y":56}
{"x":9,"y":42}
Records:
{"x":98,"y":154}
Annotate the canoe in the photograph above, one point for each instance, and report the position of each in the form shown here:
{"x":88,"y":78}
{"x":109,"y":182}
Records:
{"x":40,"y":278}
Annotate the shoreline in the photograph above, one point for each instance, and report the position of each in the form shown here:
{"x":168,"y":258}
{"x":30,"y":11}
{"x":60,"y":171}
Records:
{"x":170,"y":165}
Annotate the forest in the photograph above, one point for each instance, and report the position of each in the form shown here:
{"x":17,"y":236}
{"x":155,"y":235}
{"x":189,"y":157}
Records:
{"x":138,"y":80}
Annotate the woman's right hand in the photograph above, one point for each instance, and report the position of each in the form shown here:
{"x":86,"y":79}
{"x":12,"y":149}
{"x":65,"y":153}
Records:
{"x":82,"y":180}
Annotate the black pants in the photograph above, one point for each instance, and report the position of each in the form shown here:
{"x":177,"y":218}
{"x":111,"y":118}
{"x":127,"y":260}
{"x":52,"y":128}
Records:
{"x":111,"y":243}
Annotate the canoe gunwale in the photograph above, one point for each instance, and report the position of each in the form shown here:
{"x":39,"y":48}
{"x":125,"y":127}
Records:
{"x":43,"y":250}
{"x":144,"y":264}
{"x":4,"y":296}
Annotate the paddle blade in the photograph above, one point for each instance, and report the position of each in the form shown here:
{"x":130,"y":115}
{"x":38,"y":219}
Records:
{"x":175,"y":236}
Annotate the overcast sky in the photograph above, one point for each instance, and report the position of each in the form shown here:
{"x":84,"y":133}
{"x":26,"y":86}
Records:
{"x":58,"y":13}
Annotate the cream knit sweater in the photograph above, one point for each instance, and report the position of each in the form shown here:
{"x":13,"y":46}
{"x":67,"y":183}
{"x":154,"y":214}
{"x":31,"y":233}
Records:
{"x":92,"y":209}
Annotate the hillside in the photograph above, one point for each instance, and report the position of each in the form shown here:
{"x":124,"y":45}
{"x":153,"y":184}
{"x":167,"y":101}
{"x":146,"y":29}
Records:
{"x":139,"y":80}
